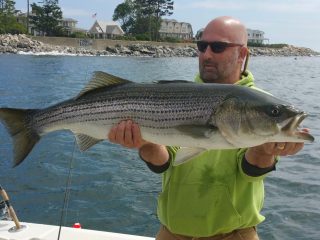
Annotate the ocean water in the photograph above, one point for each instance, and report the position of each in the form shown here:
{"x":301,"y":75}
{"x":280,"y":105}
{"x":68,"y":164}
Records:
{"x":110,"y":188}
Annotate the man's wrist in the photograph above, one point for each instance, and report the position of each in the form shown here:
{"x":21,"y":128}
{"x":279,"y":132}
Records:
{"x":255,"y":171}
{"x":259,"y":159}
{"x":158,"y":164}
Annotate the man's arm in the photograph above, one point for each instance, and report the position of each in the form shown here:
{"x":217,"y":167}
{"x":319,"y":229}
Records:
{"x":128,"y":134}
{"x":263,"y":156}
{"x":257,"y":161}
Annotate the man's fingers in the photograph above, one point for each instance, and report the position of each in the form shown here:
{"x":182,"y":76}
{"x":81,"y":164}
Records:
{"x":112,"y":134}
{"x":128,"y":134}
{"x":287,"y":148}
{"x":137,"y":138}
{"x":280,"y":146}
{"x":277,"y":148}
{"x":120,"y":132}
{"x":297,"y":147}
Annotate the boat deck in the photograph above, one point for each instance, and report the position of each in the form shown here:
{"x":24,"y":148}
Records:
{"x":32,"y":231}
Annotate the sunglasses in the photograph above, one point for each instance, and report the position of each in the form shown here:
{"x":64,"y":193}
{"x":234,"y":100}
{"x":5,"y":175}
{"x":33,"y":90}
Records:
{"x":216,"y":47}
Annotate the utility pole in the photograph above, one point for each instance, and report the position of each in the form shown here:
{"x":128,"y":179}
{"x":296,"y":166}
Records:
{"x":28,"y":17}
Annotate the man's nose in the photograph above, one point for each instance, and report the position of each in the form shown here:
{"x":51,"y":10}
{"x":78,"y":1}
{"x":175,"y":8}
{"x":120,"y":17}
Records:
{"x":208,"y":53}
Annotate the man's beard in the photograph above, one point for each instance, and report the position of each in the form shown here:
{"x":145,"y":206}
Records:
{"x":211,"y":72}
{"x":212,"y":75}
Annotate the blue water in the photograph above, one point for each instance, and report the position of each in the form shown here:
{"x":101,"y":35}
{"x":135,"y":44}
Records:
{"x":111,"y":189}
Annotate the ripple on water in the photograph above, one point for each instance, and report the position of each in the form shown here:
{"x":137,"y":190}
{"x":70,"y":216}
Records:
{"x":111,"y":188}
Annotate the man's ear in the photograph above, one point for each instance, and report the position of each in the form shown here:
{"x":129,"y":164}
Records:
{"x":244,"y":58}
{"x":243,"y":53}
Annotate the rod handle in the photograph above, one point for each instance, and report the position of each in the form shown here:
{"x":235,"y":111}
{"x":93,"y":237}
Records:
{"x":14,"y":217}
{"x":11,"y":211}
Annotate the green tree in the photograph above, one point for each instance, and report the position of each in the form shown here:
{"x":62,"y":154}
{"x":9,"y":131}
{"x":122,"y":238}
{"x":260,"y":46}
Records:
{"x":7,"y":7}
{"x":153,"y":10}
{"x":142,"y":18}
{"x":125,"y":14}
{"x":157,"y":8}
{"x":46,"y":18}
{"x":8,"y":20}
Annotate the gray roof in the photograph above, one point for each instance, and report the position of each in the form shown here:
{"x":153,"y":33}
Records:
{"x":108,"y":26}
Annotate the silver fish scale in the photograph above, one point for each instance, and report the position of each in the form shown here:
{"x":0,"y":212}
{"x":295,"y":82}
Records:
{"x":150,"y":105}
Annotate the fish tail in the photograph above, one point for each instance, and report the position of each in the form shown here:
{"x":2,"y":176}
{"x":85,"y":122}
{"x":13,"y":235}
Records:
{"x":18,"y":124}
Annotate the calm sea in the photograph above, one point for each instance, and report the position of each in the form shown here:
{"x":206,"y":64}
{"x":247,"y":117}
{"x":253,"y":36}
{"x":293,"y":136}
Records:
{"x":111,"y":189}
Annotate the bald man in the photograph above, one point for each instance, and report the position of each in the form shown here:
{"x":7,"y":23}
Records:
{"x":220,"y":193}
{"x":226,"y":67}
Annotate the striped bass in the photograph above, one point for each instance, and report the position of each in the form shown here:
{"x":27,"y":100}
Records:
{"x":178,"y":113}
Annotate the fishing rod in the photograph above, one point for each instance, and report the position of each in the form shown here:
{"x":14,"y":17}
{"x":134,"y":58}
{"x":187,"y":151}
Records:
{"x":11,"y":211}
{"x":67,"y":192}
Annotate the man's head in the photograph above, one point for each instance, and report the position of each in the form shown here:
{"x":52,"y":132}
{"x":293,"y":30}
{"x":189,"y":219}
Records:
{"x":222,"y":50}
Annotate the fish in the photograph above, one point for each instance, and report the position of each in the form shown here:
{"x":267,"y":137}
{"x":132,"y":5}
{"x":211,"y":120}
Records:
{"x":182,"y":113}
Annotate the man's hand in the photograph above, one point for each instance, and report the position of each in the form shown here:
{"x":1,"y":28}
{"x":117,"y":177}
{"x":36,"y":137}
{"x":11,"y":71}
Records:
{"x":263,"y":156}
{"x":128,"y":134}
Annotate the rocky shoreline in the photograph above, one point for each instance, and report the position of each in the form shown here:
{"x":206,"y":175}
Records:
{"x":22,"y":44}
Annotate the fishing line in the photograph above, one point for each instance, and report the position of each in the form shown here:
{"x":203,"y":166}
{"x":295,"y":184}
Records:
{"x":68,"y":183}
{"x":67,"y":190}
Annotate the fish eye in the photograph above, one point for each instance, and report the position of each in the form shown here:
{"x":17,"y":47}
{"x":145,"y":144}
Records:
{"x":275,"y":111}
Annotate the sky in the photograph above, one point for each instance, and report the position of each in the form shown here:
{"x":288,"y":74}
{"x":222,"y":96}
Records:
{"x":295,"y":22}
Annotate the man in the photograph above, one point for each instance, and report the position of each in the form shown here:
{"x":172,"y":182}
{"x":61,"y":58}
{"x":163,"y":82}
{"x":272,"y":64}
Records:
{"x":219,"y":194}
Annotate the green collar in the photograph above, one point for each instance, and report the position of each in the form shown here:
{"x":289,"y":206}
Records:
{"x":246,"y":79}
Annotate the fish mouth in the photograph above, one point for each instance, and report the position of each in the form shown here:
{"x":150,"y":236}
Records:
{"x":292,"y":127}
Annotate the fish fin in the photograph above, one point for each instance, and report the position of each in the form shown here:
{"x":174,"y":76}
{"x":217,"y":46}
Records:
{"x":100,"y":80}
{"x":197,"y":131}
{"x":185,"y":154}
{"x":85,"y":141}
{"x":18,"y":125}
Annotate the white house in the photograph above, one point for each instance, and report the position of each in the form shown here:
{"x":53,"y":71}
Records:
{"x":101,"y":29}
{"x":199,"y":34}
{"x":69,"y":24}
{"x":173,"y":28}
{"x":256,"y":36}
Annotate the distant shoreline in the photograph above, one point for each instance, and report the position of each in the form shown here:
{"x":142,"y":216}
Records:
{"x":22,"y":44}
